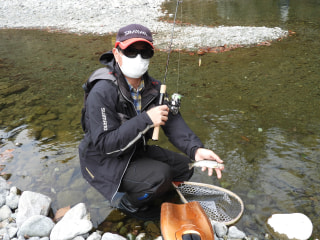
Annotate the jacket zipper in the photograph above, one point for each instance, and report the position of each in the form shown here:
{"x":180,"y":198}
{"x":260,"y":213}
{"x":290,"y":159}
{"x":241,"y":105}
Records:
{"x":134,"y":147}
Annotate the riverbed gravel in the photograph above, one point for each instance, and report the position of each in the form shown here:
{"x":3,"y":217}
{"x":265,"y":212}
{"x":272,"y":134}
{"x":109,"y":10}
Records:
{"x":107,"y":16}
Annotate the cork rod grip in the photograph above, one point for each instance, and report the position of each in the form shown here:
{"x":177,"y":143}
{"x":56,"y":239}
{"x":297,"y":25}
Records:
{"x":155,"y":135}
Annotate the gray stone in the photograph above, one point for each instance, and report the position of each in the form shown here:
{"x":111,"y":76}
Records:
{"x":3,"y":184}
{"x":220,"y":229}
{"x":36,"y":226}
{"x":4,"y":191}
{"x":12,"y":200}
{"x":5,"y":212}
{"x":31,"y":204}
{"x":2,"y":198}
{"x":4,"y":233}
{"x":235,"y":233}
{"x":12,"y":230}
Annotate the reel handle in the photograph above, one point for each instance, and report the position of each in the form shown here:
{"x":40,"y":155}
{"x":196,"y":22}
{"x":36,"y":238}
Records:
{"x":155,"y":135}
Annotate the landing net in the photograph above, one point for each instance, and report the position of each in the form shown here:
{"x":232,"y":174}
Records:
{"x":220,"y":205}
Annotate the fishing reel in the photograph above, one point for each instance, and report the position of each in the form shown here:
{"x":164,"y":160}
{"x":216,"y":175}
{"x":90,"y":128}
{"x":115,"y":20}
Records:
{"x":174,"y":103}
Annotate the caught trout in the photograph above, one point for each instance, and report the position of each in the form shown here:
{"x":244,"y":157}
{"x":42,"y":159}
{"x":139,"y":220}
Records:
{"x":206,"y":163}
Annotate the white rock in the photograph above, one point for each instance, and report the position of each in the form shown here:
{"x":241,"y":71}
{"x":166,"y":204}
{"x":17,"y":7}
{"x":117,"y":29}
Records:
{"x":293,"y":225}
{"x":36,"y":226}
{"x":5,"y":212}
{"x":111,"y":236}
{"x":74,"y":223}
{"x":94,"y":236}
{"x":30,"y":204}
{"x":235,"y":233}
{"x":4,"y":191}
{"x":4,"y":233}
{"x":220,"y":229}
{"x":3,"y":184}
{"x":12,"y":230}
{"x":140,"y":236}
{"x":78,"y":238}
{"x":12,"y":200}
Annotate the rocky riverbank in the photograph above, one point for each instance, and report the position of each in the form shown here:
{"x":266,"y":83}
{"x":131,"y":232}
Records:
{"x":107,"y":16}
{"x":27,"y":216}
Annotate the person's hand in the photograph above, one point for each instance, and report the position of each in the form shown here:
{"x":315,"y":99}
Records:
{"x":158,"y":115}
{"x":206,"y":154}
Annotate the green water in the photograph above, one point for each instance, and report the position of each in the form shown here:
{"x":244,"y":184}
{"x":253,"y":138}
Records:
{"x":257,"y":108}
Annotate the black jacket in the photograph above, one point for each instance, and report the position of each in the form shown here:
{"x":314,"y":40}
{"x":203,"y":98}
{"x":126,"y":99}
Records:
{"x":114,"y":131}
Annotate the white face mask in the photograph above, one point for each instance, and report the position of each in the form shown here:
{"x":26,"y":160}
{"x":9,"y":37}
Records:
{"x":134,"y":67}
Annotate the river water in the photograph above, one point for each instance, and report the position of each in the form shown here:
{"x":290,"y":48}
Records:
{"x":256,"y":107}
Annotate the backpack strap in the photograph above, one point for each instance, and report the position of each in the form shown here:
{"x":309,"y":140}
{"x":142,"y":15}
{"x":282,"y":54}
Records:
{"x":99,"y":74}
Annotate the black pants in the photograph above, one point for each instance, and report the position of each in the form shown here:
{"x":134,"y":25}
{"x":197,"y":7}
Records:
{"x":150,"y":173}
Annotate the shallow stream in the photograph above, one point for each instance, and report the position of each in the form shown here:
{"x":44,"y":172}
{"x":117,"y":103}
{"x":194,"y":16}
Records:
{"x":256,"y":107}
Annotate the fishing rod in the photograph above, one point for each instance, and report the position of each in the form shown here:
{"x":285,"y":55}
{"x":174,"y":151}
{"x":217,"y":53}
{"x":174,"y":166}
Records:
{"x":175,"y":97}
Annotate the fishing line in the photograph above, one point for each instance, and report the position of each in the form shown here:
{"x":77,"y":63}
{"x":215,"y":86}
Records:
{"x":179,"y":52}
{"x":163,"y":88}
{"x":171,"y":40}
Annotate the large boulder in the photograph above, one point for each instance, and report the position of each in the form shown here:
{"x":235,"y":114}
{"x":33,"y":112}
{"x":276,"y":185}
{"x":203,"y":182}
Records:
{"x":291,"y":226}
{"x":74,"y":223}
{"x":30,"y":204}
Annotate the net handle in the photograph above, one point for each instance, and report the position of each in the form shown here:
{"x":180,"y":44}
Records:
{"x":184,"y":200}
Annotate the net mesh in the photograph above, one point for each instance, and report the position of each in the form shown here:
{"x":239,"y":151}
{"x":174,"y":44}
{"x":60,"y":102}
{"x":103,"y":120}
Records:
{"x":219,"y":204}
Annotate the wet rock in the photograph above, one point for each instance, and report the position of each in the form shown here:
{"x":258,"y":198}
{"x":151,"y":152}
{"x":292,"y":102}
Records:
{"x":36,"y":226}
{"x":123,"y":231}
{"x":235,"y":233}
{"x":47,"y":134}
{"x":111,"y":236}
{"x":14,"y":89}
{"x":48,"y":117}
{"x":74,"y":223}
{"x":41,"y":110}
{"x":220,"y":229}
{"x":116,"y":216}
{"x":30,"y":204}
{"x":152,"y":229}
{"x":291,"y":226}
